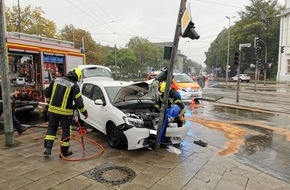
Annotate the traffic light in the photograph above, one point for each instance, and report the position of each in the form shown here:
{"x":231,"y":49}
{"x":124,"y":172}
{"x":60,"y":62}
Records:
{"x":256,"y":52}
{"x":190,"y":32}
{"x":236,"y":59}
{"x":282,"y":49}
{"x":167,"y":52}
{"x":260,"y":65}
{"x":257,"y":43}
{"x":257,"y":46}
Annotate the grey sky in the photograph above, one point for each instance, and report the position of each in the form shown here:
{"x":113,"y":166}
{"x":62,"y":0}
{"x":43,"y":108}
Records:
{"x":115,"y":21}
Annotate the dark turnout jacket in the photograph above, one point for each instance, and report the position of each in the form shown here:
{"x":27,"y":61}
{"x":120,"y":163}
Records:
{"x":62,"y":93}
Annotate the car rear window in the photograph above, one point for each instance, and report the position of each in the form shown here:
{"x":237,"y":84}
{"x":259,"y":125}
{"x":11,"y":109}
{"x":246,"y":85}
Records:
{"x":96,"y":72}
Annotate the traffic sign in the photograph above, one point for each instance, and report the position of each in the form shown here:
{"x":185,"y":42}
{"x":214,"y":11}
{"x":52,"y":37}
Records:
{"x":245,"y":45}
{"x":185,"y":19}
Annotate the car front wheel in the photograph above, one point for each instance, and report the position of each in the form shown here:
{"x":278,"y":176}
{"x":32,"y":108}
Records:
{"x":114,"y":136}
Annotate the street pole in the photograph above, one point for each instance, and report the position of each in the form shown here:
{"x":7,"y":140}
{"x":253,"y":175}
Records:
{"x":238,"y":70}
{"x":256,"y":71}
{"x":83,"y":44}
{"x":228,"y":53}
{"x":8,"y":124}
{"x":19,"y":18}
{"x":115,"y":62}
{"x":238,"y":80}
{"x":170,"y":70}
{"x":265,"y":61}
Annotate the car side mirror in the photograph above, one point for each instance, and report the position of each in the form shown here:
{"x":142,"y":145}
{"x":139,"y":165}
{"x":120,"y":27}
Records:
{"x":100,"y":102}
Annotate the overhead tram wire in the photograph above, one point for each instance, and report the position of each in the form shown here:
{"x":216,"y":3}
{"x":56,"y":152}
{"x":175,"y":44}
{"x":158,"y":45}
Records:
{"x":126,"y":28}
{"x":222,"y":4}
{"x":113,"y":19}
{"x":95,"y":20}
{"x":107,"y":26}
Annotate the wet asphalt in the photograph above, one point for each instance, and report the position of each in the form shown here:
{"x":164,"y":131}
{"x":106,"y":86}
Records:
{"x":262,"y":113}
{"x":256,"y":129}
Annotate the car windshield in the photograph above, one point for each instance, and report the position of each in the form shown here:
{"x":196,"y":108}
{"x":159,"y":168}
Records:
{"x":182,"y":79}
{"x":96,"y":72}
{"x":112,"y":91}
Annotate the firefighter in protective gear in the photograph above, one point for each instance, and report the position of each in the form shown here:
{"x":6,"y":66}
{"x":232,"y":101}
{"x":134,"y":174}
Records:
{"x":173,"y":98}
{"x":60,"y":95}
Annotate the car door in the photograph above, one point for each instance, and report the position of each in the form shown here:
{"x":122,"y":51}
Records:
{"x":86,"y":94}
{"x":97,"y":113}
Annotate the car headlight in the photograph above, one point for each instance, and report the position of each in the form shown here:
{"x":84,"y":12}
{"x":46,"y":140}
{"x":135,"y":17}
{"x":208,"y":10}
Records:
{"x":133,"y":122}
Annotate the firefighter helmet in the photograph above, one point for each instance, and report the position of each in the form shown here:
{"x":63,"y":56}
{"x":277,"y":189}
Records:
{"x":78,"y":72}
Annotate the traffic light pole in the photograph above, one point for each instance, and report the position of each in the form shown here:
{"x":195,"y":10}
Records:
{"x":256,"y":71}
{"x":238,"y":72}
{"x":170,"y":71}
{"x":238,"y":69}
{"x":265,"y":61}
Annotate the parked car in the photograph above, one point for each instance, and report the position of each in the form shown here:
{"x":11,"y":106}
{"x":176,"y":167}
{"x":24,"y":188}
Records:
{"x":123,"y":112}
{"x":188,"y":88}
{"x":243,"y":78}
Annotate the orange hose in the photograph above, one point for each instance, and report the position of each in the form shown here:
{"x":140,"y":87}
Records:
{"x":75,"y":137}
{"x":84,"y":158}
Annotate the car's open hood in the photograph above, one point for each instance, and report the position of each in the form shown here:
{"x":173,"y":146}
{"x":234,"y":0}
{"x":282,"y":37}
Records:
{"x":134,"y":91}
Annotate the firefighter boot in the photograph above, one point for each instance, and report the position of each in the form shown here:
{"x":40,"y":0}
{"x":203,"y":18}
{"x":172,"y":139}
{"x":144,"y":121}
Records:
{"x":47,"y":152}
{"x":47,"y":145}
{"x":65,"y":151}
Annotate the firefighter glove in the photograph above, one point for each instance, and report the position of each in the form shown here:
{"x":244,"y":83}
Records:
{"x":85,"y":113}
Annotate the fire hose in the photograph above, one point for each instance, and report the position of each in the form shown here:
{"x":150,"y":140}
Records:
{"x":80,"y":139}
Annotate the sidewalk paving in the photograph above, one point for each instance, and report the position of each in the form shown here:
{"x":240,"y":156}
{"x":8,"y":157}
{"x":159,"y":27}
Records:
{"x":24,"y":167}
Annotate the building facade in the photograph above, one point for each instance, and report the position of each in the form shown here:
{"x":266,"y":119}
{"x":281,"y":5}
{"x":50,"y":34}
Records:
{"x":283,"y":72}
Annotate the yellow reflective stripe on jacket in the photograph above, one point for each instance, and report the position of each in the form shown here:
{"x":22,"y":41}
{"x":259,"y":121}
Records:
{"x":82,"y":110}
{"x":49,"y":137}
{"x":182,"y":112}
{"x":53,"y":91}
{"x":177,"y":101}
{"x":157,"y":106}
{"x":78,"y":95}
{"x":65,"y":97}
{"x":61,"y":111}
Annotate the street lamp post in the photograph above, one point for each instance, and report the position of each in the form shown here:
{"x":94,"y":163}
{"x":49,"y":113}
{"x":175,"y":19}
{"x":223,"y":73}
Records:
{"x":228,"y":55}
{"x":247,"y":45}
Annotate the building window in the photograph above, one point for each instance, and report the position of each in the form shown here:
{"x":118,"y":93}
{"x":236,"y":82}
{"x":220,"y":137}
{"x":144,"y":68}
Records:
{"x":288,"y":65}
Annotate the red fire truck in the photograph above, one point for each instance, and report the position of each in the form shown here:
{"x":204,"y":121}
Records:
{"x":34,"y":61}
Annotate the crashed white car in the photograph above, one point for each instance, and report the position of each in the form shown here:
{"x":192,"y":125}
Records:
{"x":121,"y":110}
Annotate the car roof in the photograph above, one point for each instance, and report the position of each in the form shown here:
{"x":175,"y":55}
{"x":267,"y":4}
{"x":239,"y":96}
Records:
{"x":90,"y":66}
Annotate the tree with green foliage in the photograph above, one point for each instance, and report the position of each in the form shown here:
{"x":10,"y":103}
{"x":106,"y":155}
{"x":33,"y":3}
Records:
{"x":31,"y":22}
{"x":251,"y":25}
{"x":147,"y":53}
{"x":127,"y":60}
{"x":91,"y":49}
